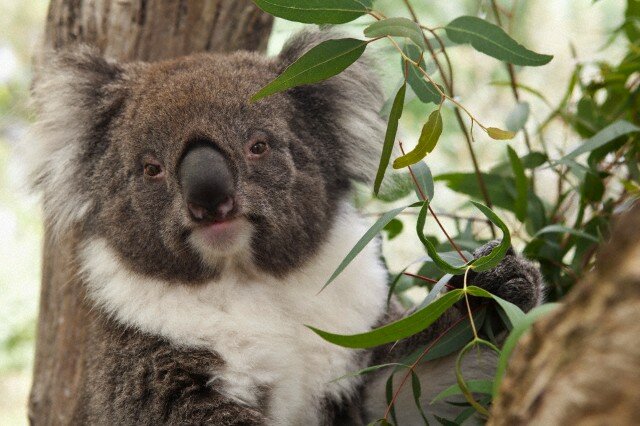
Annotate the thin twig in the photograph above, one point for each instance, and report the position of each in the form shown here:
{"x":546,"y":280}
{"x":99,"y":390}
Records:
{"x":435,"y":216}
{"x":450,"y":85}
{"x":420,"y":277}
{"x":416,"y":362}
{"x":514,"y":89}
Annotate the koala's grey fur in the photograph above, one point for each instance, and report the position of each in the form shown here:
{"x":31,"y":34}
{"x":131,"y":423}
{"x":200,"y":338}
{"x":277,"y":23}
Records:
{"x":99,"y":119}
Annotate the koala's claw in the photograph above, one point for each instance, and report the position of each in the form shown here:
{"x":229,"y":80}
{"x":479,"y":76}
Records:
{"x":515,"y":279}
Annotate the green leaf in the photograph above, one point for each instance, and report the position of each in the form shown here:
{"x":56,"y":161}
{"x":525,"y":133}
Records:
{"x":502,"y":190}
{"x":513,"y":312}
{"x":435,"y":290}
{"x":417,"y":392}
{"x":603,"y":137}
{"x":393,"y":228}
{"x":397,"y":330}
{"x":464,"y":388}
{"x":632,"y":21}
{"x":390,"y":136}
{"x":500,"y":134}
{"x":491,"y":40}
{"x":517,"y":118}
{"x":394,"y":283}
{"x":445,"y":422}
{"x":452,"y":341}
{"x":399,"y":27}
{"x":316,"y":11}
{"x":388,"y":390}
{"x":481,"y":264}
{"x":497,"y":254}
{"x":521,"y":184}
{"x":592,"y":188}
{"x":321,"y":62}
{"x":366,"y":239}
{"x":369,"y":369}
{"x":431,"y":249}
{"x":424,"y":89}
{"x":514,"y":336}
{"x":534,"y":159}
{"x":560,"y":229}
{"x":428,"y":138}
{"x":423,"y":176}
{"x":475,"y":386}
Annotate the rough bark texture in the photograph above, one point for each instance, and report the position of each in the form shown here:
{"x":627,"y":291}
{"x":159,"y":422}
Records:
{"x":581,"y":365}
{"x":152,"y":30}
{"x":126,"y":30}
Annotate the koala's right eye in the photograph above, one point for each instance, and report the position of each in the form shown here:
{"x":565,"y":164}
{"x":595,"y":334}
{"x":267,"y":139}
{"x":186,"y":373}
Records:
{"x":153,"y":169}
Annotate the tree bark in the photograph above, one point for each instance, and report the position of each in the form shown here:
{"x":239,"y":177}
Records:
{"x":125,"y":30}
{"x":581,"y":365}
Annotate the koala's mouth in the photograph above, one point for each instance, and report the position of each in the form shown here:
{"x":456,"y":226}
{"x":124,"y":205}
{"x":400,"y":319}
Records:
{"x":221,"y":237}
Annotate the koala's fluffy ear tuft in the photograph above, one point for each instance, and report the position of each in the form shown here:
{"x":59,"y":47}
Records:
{"x":352,"y":102}
{"x":75,"y":95}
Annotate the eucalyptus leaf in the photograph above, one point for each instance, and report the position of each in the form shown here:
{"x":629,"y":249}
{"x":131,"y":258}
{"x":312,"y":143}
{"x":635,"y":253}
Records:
{"x":514,"y":313}
{"x":424,"y":89}
{"x":423,"y":176}
{"x":405,"y":327}
{"x":390,"y":136}
{"x":431,"y":249}
{"x":603,"y":137}
{"x":517,"y":118}
{"x":393,"y":228}
{"x":560,"y":229}
{"x":417,"y":392}
{"x":511,"y":341}
{"x":369,"y":369}
{"x":521,"y":184}
{"x":366,"y":239}
{"x":492,"y":40}
{"x":497,"y":254}
{"x":464,"y":388}
{"x":319,"y":63}
{"x":475,"y":386}
{"x":499,"y":134}
{"x":429,"y":136}
{"x":399,"y":27}
{"x":451,"y":341}
{"x":316,"y":11}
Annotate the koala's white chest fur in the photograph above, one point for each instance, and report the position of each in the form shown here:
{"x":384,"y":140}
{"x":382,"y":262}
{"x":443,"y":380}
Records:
{"x":257,"y":327}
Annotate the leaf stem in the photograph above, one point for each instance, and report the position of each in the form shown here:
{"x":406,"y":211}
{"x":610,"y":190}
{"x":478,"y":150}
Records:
{"x":420,"y":277}
{"x":416,"y":362}
{"x":449,"y":85}
{"x":466,"y":299}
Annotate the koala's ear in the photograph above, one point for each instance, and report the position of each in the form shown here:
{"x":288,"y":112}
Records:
{"x":350,"y":105}
{"x":74,"y":95}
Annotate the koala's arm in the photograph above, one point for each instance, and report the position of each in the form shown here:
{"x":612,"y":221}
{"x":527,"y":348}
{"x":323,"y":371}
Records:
{"x":136,"y":378}
{"x":515,"y":279}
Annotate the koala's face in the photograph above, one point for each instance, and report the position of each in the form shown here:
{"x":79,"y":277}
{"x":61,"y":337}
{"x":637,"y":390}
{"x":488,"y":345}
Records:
{"x":184,"y":176}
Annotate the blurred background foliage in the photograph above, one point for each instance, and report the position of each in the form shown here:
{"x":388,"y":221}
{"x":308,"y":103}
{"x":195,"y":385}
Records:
{"x":592,"y":82}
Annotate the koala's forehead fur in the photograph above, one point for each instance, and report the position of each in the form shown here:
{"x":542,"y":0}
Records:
{"x":108,"y":117}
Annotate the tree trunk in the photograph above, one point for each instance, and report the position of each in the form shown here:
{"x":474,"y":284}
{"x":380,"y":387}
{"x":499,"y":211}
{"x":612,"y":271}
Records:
{"x":581,"y":365}
{"x":124,"y":30}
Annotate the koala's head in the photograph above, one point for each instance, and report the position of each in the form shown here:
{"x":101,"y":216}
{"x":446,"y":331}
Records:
{"x":181,"y":174}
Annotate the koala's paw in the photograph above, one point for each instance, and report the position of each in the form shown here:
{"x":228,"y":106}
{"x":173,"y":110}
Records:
{"x":515,"y":279}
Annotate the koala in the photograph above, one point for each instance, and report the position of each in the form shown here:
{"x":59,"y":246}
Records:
{"x":207,"y":226}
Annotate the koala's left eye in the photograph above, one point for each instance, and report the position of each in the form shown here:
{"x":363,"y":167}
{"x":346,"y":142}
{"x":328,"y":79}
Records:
{"x":257,"y":146}
{"x":153,"y":169}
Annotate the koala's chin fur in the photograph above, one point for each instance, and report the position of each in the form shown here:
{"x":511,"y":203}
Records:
{"x":191,"y":326}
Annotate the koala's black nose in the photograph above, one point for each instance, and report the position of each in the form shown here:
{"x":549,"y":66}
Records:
{"x":207,"y":183}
